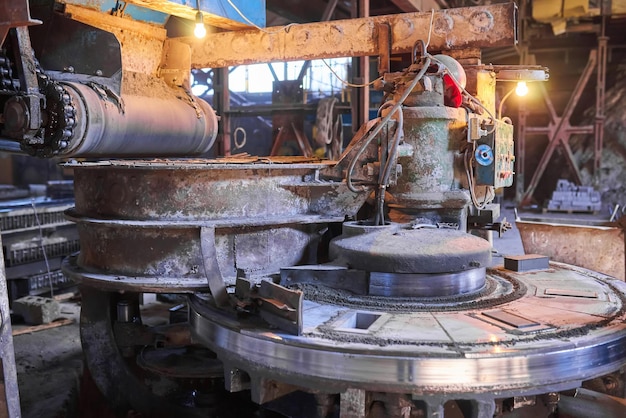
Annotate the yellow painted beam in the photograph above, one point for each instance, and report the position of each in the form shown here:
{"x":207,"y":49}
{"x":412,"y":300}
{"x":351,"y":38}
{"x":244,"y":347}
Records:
{"x":468,"y":27}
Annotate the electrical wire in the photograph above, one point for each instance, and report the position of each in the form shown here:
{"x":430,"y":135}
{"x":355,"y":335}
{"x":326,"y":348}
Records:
{"x":430,"y":28}
{"x":286,"y":29}
{"x":467,"y":162}
{"x":384,"y":178}
{"x":244,"y":17}
{"x":379,"y":214}
{"x":43,"y":248}
{"x":346,"y":83}
{"x":380,"y":125}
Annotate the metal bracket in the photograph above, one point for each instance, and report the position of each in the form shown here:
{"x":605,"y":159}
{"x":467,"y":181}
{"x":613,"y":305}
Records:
{"x":277,"y":305}
{"x":14,"y":14}
{"x":211,"y":267}
{"x":383,"y":31}
{"x":281,"y":307}
{"x":336,"y":277}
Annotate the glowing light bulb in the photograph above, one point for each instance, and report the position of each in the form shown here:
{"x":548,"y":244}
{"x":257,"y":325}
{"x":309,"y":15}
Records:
{"x":200,"y":30}
{"x":521,"y":89}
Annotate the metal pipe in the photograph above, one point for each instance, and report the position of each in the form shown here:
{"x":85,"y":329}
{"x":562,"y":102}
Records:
{"x":7,"y":145}
{"x":138,"y":126}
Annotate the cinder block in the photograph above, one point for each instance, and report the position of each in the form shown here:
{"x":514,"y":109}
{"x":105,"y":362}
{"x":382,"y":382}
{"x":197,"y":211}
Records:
{"x":36,"y":309}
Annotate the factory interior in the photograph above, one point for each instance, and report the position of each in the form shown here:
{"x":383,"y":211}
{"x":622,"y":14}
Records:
{"x":313,"y":208}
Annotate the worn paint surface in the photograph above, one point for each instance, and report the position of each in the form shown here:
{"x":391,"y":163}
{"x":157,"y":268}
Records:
{"x":143,"y":219}
{"x":141,"y":44}
{"x":476,"y":27}
{"x":215,"y":13}
{"x":187,"y":191}
{"x":429,"y":180}
{"x":594,"y":247}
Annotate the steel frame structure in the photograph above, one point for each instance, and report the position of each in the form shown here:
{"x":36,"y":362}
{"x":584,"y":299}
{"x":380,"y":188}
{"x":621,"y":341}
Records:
{"x":560,"y":129}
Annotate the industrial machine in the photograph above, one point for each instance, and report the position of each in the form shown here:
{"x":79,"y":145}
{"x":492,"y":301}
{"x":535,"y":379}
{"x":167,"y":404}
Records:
{"x":314,"y":288}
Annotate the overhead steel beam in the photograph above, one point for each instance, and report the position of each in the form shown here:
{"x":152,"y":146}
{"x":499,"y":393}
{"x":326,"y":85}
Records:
{"x":328,"y":13}
{"x":217,"y":13}
{"x":600,"y":104}
{"x":14,"y":14}
{"x":468,"y":27}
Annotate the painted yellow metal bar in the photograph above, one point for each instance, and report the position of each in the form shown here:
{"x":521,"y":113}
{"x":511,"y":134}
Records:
{"x":469,"y":27}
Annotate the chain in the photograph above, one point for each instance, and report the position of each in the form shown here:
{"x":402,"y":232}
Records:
{"x":55,"y":135}
{"x":7,"y":82}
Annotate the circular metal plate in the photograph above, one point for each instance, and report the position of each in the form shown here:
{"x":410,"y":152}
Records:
{"x":396,"y":249}
{"x":426,"y":285}
{"x":568,"y":327}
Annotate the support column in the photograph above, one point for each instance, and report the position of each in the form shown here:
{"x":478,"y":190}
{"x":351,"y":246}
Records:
{"x":520,"y":149}
{"x":222,"y":107}
{"x":360,"y":74}
{"x":600,"y":110}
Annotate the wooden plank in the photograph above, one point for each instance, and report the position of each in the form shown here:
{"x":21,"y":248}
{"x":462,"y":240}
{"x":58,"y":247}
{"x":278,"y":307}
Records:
{"x":35,"y":328}
{"x":63,"y":297}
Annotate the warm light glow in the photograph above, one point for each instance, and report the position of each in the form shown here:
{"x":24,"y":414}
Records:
{"x":521,"y":89}
{"x":200,"y":30}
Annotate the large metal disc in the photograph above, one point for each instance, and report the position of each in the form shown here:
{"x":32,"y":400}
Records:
{"x":397,"y":249}
{"x":567,"y":327}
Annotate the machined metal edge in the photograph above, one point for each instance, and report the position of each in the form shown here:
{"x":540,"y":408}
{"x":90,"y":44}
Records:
{"x":196,"y":164}
{"x":73,"y":216}
{"x":522,"y":373}
{"x":427,"y":285}
{"x":146,"y":284}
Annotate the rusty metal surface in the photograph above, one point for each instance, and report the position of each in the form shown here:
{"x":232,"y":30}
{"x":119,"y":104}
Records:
{"x":431,"y":173}
{"x":141,"y":223}
{"x":14,"y":14}
{"x":597,"y":248}
{"x":478,"y":27}
{"x":187,"y":190}
{"x":280,"y":307}
{"x":163,"y":258}
{"x":141,"y":50}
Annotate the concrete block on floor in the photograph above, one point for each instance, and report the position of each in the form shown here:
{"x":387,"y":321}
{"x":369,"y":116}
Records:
{"x":37,"y":310}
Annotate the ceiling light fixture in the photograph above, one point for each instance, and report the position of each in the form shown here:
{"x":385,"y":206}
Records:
{"x":199,"y":31}
{"x":521,"y":89}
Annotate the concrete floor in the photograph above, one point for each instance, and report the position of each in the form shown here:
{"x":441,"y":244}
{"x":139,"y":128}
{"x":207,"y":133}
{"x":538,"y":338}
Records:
{"x":49,"y":363}
{"x":49,"y":368}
